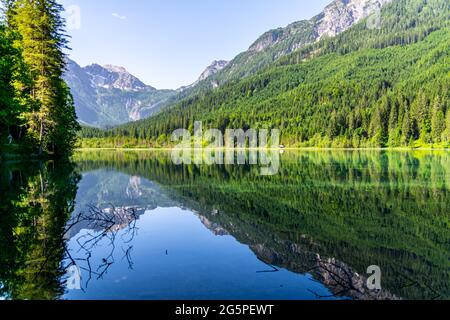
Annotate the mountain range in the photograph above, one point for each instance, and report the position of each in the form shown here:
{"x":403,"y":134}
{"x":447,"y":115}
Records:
{"x":108,"y":95}
{"x":383,"y":82}
{"x":336,"y":18}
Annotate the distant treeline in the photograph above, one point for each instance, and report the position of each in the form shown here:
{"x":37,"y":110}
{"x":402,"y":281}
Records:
{"x":37,"y":113}
{"x":386,"y":87}
{"x":360,"y":207}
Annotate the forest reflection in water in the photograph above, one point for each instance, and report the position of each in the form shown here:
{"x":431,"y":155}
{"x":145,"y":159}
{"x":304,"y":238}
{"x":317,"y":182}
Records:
{"x":330,"y":214}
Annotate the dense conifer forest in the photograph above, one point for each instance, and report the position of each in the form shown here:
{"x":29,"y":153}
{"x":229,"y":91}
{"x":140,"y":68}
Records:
{"x":367,"y":87}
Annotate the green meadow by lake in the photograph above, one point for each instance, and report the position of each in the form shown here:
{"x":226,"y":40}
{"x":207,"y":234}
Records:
{"x":133,"y":225}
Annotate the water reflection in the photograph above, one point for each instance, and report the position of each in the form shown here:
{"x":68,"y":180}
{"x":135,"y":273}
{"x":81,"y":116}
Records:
{"x":37,"y":199}
{"x":144,"y":228}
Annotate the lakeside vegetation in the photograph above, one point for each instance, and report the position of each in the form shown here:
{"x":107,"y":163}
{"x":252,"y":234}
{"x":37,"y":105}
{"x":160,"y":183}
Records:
{"x":376,"y":89}
{"x":38,"y":198}
{"x":359,"y":207}
{"x":37,"y":113}
{"x":386,"y":87}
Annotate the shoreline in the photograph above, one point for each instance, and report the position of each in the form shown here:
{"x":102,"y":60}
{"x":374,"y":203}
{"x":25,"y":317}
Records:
{"x":11,"y":157}
{"x":268,"y":149}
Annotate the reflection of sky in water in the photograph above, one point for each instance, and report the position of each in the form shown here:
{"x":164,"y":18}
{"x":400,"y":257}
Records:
{"x":175,"y":256}
{"x":203,"y":232}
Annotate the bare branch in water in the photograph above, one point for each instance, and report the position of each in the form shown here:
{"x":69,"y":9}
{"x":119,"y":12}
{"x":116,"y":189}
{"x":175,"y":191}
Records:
{"x":102,"y":226}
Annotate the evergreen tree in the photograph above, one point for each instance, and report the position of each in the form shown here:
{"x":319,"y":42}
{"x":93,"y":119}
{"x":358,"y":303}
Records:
{"x":361,"y":88}
{"x":406,"y":128}
{"x":64,"y":137}
{"x":422,"y":118}
{"x":14,"y":85}
{"x":446,"y":135}
{"x":50,"y":120}
{"x":437,"y":121}
{"x":393,"y":126}
{"x":8,"y":107}
{"x":376,"y":128}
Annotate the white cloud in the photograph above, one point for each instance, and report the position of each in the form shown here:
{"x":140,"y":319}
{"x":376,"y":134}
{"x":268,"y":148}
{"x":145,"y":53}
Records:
{"x":118,"y":16}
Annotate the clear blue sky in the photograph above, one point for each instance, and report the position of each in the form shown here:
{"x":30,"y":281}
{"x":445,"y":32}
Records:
{"x":168,"y":43}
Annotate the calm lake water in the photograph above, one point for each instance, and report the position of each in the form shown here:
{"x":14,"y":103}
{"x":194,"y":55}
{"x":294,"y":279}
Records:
{"x":133,"y":225}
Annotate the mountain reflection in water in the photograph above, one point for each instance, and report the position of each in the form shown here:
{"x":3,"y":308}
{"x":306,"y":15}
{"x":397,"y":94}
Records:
{"x":137,"y":226}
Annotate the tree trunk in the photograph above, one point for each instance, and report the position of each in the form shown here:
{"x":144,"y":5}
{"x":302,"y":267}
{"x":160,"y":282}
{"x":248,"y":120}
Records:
{"x":41,"y":134}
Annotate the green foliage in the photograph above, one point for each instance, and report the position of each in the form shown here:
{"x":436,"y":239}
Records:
{"x":111,"y":103}
{"x":39,"y":200}
{"x":358,"y":207}
{"x":38,"y":112}
{"x":9,"y":110}
{"x":284,"y":41}
{"x":364,"y":88}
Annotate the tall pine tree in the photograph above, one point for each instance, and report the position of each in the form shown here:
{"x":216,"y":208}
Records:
{"x":446,"y":135}
{"x":51,"y":120}
{"x":9,"y":110}
{"x":437,"y":121}
{"x":14,"y":83}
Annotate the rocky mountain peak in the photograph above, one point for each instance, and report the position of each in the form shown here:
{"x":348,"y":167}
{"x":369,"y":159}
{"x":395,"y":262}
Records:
{"x":110,"y":95}
{"x":337,"y":17}
{"x":110,"y":76}
{"x":212,"y":69}
{"x":116,"y":69}
{"x":340,"y":15}
{"x":266,"y":40}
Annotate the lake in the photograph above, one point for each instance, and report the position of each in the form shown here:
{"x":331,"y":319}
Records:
{"x":134,"y":225}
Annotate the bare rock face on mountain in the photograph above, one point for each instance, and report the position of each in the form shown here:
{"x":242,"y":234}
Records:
{"x":114,"y":77}
{"x":110,"y":95}
{"x":215,"y":67}
{"x":337,"y":17}
{"x":276,"y":36}
{"x":340,"y":15}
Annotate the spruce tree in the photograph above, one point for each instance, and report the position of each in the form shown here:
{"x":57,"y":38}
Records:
{"x":42,"y":42}
{"x":406,"y":128}
{"x":437,"y":121}
{"x":14,"y":83}
{"x":8,"y":108}
{"x":393,"y":126}
{"x":446,"y":135}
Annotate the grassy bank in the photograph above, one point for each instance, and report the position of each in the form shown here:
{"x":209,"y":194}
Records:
{"x":130,"y":144}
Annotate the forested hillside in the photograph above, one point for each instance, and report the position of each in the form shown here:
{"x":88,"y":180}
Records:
{"x":386,"y":87}
{"x":37,"y":116}
{"x":337,"y":17}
